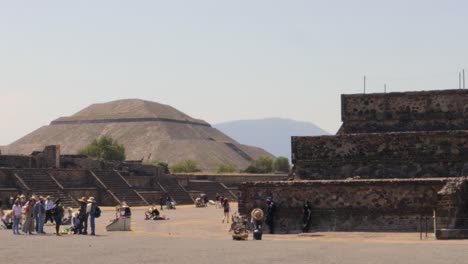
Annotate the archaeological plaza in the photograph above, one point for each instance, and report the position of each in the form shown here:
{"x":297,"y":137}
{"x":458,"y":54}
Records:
{"x":390,"y":185}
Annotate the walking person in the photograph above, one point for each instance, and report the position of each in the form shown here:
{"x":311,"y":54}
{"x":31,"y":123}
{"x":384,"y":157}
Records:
{"x":226,"y":210}
{"x":218,"y":203}
{"x":161,"y":202}
{"x":49,"y":204}
{"x":270,"y":214}
{"x":168,"y":202}
{"x":90,"y":212}
{"x":306,"y":217}
{"x":58,"y":213}
{"x":28,"y":225}
{"x":16,"y":211}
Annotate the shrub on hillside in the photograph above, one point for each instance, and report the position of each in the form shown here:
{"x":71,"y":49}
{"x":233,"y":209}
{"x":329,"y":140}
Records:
{"x":184,"y":166}
{"x":104,"y":148}
{"x":226,"y":168}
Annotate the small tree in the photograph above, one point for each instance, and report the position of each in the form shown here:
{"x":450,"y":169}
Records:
{"x":226,"y":168}
{"x":261,"y":165}
{"x":281,"y":164}
{"x":184,"y":166}
{"x":104,"y":148}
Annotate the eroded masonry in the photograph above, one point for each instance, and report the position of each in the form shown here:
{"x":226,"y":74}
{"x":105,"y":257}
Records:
{"x":397,"y":160}
{"x":71,"y":177}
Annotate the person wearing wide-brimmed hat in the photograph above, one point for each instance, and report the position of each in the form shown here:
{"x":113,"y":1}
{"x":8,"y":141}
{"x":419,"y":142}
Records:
{"x":90,"y":212}
{"x":82,"y":228}
{"x":256,"y":218}
{"x":58,"y":215}
{"x":49,"y":204}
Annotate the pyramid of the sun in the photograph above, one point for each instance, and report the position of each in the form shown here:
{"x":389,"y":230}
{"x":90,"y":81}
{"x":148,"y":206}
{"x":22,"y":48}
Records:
{"x":148,"y":130}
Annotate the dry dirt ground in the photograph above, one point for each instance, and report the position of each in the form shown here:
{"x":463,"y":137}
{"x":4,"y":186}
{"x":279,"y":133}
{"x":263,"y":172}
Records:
{"x":196,"y":235}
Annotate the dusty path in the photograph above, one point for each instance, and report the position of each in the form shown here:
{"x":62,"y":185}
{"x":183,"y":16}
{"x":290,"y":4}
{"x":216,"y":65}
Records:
{"x":196,"y":235}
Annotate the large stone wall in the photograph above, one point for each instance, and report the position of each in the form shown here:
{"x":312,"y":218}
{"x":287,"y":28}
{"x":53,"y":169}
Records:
{"x":408,"y":111}
{"x":347,"y":205}
{"x":387,"y":155}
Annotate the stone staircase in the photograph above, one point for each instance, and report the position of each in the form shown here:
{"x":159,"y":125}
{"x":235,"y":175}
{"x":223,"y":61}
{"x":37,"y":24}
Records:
{"x":210,"y":188}
{"x":175,"y":191}
{"x":41,"y":183}
{"x":119,"y":187}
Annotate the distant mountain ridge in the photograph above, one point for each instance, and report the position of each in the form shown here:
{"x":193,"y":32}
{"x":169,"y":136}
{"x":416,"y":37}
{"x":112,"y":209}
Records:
{"x":271,"y":134}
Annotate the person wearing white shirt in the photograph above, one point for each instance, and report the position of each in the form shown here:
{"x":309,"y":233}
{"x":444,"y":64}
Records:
{"x":49,"y":204}
{"x":16,"y":211}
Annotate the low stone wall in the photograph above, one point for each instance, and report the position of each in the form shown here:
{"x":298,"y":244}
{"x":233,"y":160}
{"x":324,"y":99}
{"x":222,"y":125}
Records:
{"x":347,"y":205}
{"x":406,"y":111}
{"x":229,"y":179}
{"x":388,"y":155}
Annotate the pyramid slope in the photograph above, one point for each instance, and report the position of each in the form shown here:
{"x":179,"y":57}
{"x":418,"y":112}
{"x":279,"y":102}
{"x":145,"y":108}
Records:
{"x":170,"y":142}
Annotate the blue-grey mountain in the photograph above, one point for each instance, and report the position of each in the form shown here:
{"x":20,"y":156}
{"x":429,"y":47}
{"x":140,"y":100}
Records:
{"x":271,"y":134}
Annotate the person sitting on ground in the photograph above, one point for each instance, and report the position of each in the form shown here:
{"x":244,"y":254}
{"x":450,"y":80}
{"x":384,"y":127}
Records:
{"x":7,"y":220}
{"x":76,"y":223}
{"x":68,"y":216}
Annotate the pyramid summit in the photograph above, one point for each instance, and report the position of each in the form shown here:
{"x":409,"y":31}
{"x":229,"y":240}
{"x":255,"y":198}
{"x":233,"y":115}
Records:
{"x":148,"y":130}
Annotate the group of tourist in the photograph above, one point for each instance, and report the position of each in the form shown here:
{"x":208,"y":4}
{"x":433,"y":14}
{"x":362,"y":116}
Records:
{"x":30,"y":215}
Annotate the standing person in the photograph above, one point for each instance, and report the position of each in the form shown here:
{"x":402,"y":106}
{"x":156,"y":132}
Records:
{"x":58,"y":213}
{"x":23,"y":201}
{"x":90,"y":211}
{"x":161,"y":202}
{"x":168,"y":202}
{"x":16,"y":212}
{"x":218,"y":204}
{"x":41,"y":216}
{"x":306,"y":217}
{"x":226,"y":210}
{"x":28,"y":225}
{"x":83,"y":217}
{"x":270,"y":214}
{"x":36,"y":213}
{"x":49,"y":204}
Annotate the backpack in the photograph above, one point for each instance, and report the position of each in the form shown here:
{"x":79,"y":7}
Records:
{"x":97,"y":212}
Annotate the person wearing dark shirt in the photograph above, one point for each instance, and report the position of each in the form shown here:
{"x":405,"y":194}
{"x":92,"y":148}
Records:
{"x":270,"y":214}
{"x":306,"y":217}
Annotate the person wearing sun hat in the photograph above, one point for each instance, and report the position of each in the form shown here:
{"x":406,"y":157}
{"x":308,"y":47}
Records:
{"x":256,"y":218}
{"x":82,"y":216}
{"x":90,"y":212}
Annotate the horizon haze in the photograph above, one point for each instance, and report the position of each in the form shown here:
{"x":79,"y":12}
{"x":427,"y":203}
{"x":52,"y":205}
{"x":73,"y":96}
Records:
{"x":221,"y":61}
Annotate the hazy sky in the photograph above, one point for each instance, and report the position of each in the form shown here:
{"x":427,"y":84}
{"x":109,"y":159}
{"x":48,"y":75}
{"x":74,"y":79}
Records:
{"x":221,"y":60}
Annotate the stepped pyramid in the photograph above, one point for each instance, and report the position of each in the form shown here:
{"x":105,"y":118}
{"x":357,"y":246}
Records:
{"x":148,"y":130}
